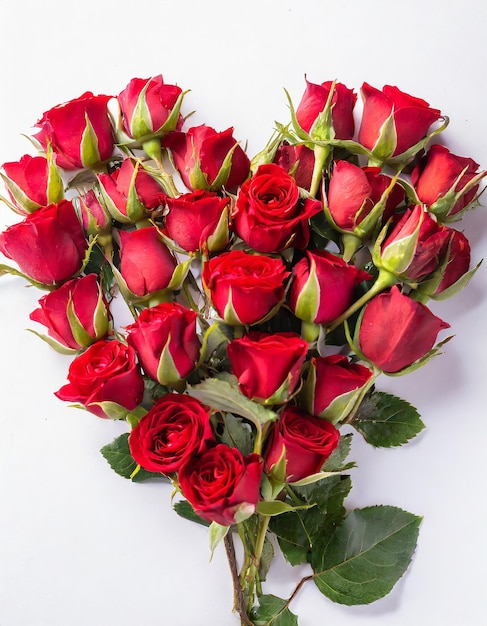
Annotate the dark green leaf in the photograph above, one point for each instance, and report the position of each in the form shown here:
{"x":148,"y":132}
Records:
{"x":118,"y":456}
{"x":273,"y":611}
{"x":336,"y":461}
{"x":385,"y":420}
{"x":236,"y":433}
{"x":366,"y":556}
{"x":184,"y":509}
{"x":265,"y":559}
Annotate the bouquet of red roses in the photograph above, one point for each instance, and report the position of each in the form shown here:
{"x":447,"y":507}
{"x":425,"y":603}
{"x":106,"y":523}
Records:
{"x":267,"y":298}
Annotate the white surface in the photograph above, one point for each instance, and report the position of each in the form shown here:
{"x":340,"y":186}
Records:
{"x":80,"y":545}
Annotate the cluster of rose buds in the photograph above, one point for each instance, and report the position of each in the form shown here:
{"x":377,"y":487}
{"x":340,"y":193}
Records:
{"x":299,"y":275}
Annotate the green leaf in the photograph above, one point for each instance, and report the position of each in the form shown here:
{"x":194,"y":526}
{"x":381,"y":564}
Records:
{"x":224,"y":396}
{"x":117,"y":455}
{"x":277,"y":507}
{"x":265,"y":559}
{"x":336,"y":461}
{"x":236,"y":433}
{"x":386,"y":420}
{"x":217,"y":533}
{"x":185,"y":510}
{"x":366,"y":556}
{"x":273,"y":611}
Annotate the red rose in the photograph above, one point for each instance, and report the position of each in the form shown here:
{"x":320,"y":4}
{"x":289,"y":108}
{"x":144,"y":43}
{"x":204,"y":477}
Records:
{"x":165,"y":339}
{"x":445,"y":181}
{"x":410,"y":119}
{"x":245,"y":288}
{"x":414,"y":261}
{"x":106,"y":372}
{"x":198,"y":220}
{"x":94,"y":216}
{"x":279,"y":355}
{"x":314,"y":100}
{"x":130,"y":193}
{"x":79,"y":131}
{"x":76,"y":315}
{"x":297,"y":160}
{"x":175,"y":428}
{"x":322,"y":286}
{"x":269,"y":214}
{"x":395,"y":331}
{"x":221,"y":484}
{"x":146,"y":263}
{"x":333,"y":385}
{"x":32,"y":182}
{"x":207,"y":159}
{"x":457,"y":260}
{"x":49,"y":245}
{"x":307,"y":442}
{"x":146,"y":104}
{"x":353,"y":193}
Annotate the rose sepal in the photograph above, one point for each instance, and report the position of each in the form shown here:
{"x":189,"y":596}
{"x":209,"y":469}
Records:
{"x":398,"y":255}
{"x":426,"y":290}
{"x":442,"y":207}
{"x":113,"y":410}
{"x":52,"y":343}
{"x":6,"y":269}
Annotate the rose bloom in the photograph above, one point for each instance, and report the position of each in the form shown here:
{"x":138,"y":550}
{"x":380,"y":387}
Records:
{"x":95,"y":218}
{"x":75,"y":315}
{"x":79,"y":131}
{"x":332,"y":386}
{"x":395,"y":331}
{"x":146,"y":263}
{"x":106,"y":372}
{"x":32,"y":183}
{"x":298,"y":161}
{"x":411,"y":118}
{"x":269,"y":214}
{"x":146,"y":104}
{"x":166,"y":342}
{"x":221,"y":484}
{"x":130,"y":193}
{"x":198,"y":220}
{"x":245,"y":288}
{"x":49,"y":245}
{"x":440,"y":173}
{"x":314,"y":100}
{"x":199,"y":155}
{"x":268,"y":366}
{"x":174,"y":429}
{"x":353,"y":193}
{"x":322,"y":286}
{"x":458,"y":261}
{"x":306,"y":441}
{"x":428,"y":251}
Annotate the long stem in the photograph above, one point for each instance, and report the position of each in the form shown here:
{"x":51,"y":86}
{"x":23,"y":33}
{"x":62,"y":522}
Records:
{"x":321,"y":155}
{"x":239,"y":600}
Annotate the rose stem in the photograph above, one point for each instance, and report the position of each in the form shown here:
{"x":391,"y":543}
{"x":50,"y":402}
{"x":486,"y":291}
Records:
{"x":239,"y":600}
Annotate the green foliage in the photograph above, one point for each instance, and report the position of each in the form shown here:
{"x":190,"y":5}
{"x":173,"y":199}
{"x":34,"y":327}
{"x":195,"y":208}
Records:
{"x":386,"y":421}
{"x":185,"y":510}
{"x":272,"y":611}
{"x":366,"y":556}
{"x":117,"y":455}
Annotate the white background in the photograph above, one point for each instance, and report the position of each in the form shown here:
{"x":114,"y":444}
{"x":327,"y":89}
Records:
{"x":80,"y":545}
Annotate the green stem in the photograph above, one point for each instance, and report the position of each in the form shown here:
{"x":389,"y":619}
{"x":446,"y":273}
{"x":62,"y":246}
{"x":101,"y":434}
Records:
{"x":384,"y":280}
{"x":321,"y":156}
{"x":249,"y":578}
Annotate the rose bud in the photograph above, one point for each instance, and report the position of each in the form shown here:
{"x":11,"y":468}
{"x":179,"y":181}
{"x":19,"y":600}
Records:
{"x":79,"y":132}
{"x":305,"y":440}
{"x":245,"y":289}
{"x":174,"y":429}
{"x":322,"y":286}
{"x":33,"y":182}
{"x":198,"y":221}
{"x":333,"y":386}
{"x":149,"y":107}
{"x":147,"y":265}
{"x":206,"y":159}
{"x":95,"y":218}
{"x":298,"y":161}
{"x":393,"y":121}
{"x":394,"y":331}
{"x":166,"y":342}
{"x":314,"y":102}
{"x":414,"y":248}
{"x":48,"y":245}
{"x":107,"y":372}
{"x":269,"y":214}
{"x":221,"y":484}
{"x":354,"y":198}
{"x":130,"y":193}
{"x":445,"y":182}
{"x":76,"y":314}
{"x":279,"y":355}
